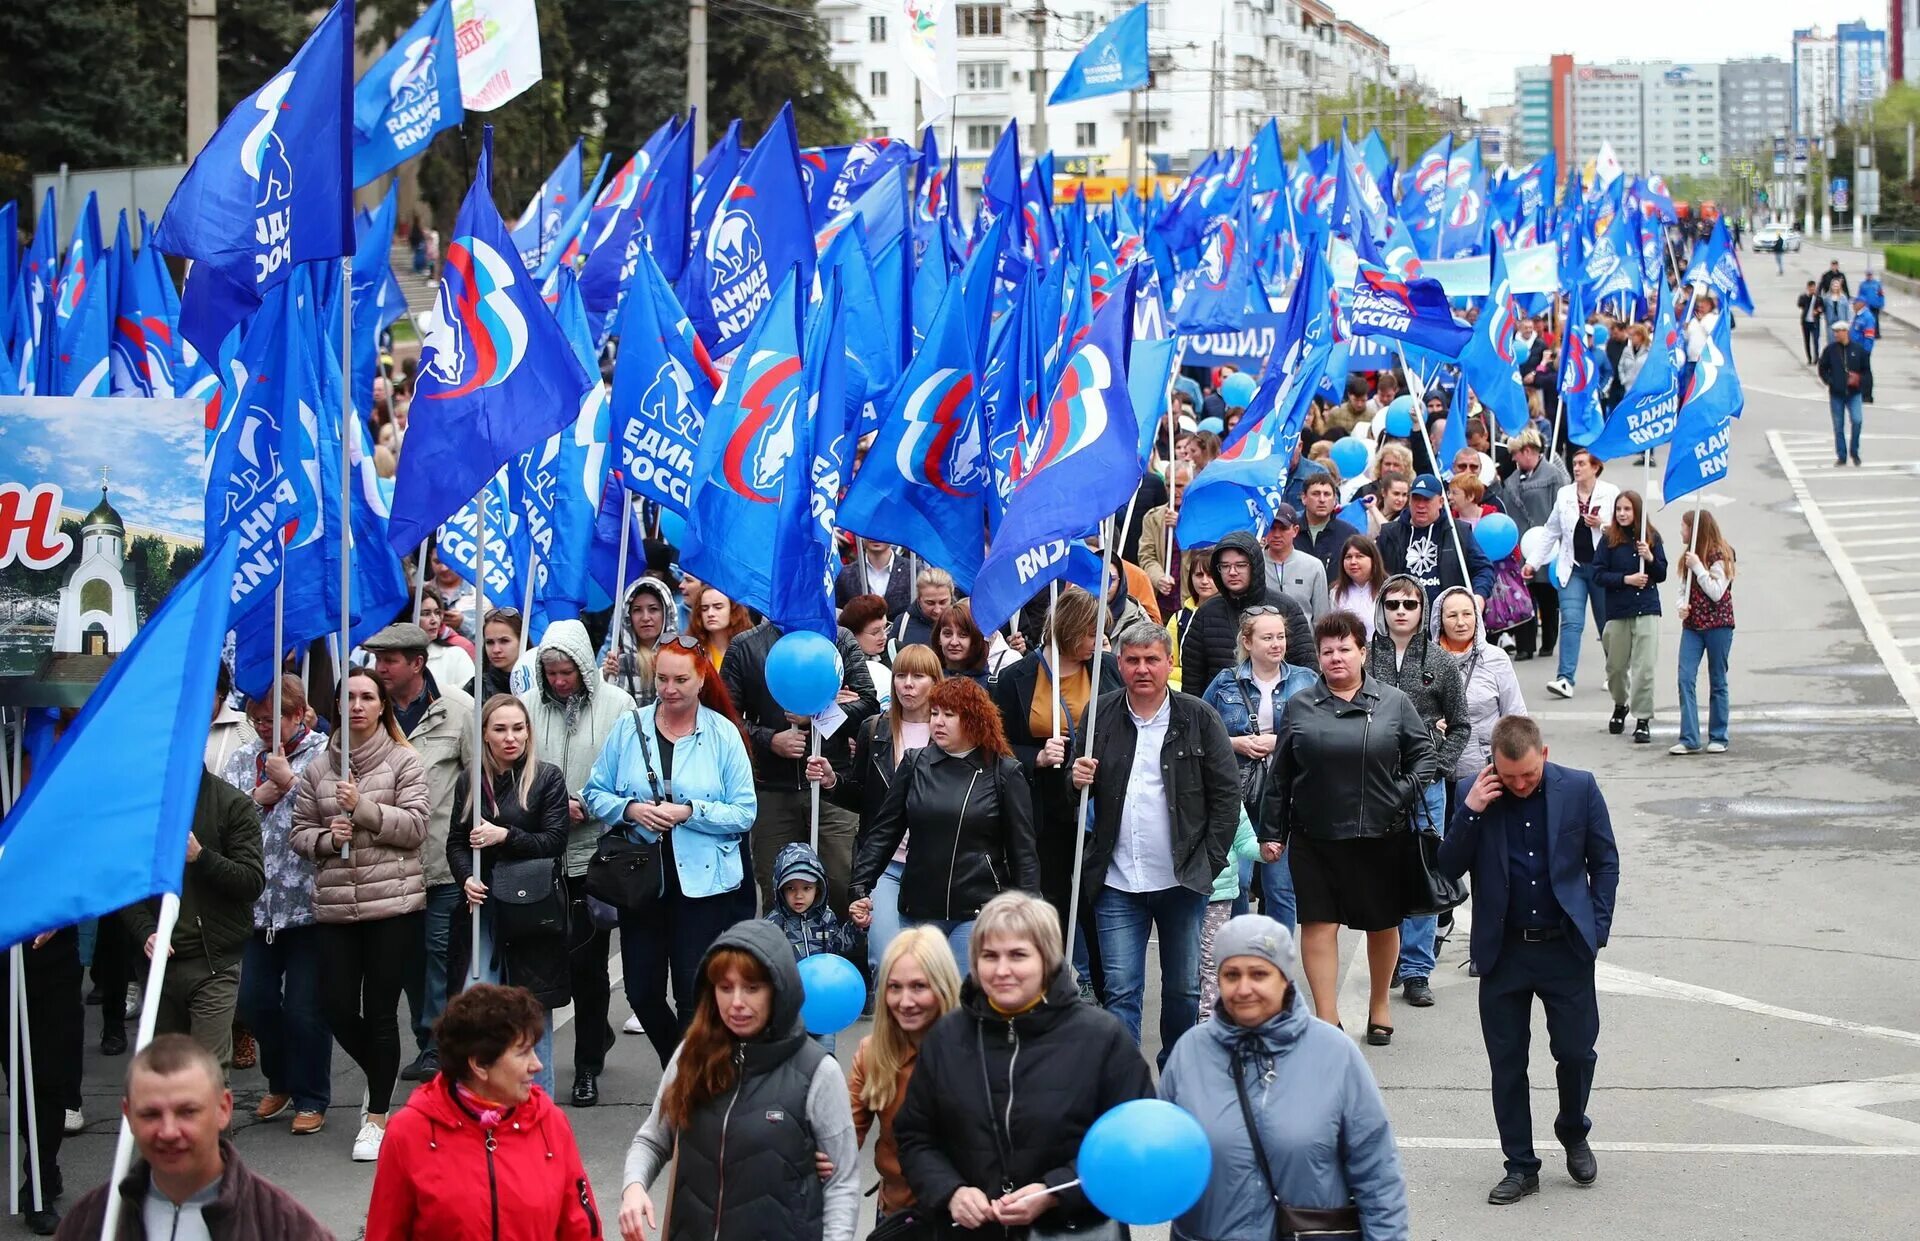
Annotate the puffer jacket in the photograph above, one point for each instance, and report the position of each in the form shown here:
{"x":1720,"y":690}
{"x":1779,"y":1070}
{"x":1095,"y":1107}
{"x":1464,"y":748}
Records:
{"x":1323,"y":1126}
{"x":287,"y":900}
{"x":745,"y":676}
{"x":1427,"y":675}
{"x":1347,"y":770}
{"x":446,"y":1176}
{"x":537,"y":829}
{"x":998,"y":1102}
{"x":818,"y":929}
{"x":972,"y":822}
{"x":570,"y":735}
{"x":1492,"y":689}
{"x":218,"y":888}
{"x":1210,"y":644}
{"x":632,"y":673}
{"x":382,"y":875}
{"x":443,"y":741}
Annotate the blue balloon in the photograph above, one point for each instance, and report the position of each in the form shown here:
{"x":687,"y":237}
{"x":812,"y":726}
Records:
{"x":1145,"y":1162}
{"x":803,"y":672}
{"x":1238,"y":389}
{"x":1351,"y":456}
{"x":1497,"y":535}
{"x":1214,"y":425}
{"x":673,"y":527}
{"x":835,"y":993}
{"x":1399,"y":416}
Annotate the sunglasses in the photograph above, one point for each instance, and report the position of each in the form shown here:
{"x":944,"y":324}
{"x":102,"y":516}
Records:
{"x":508,"y":615}
{"x":1265,"y":609}
{"x":685,"y":641}
{"x":1400,"y":605}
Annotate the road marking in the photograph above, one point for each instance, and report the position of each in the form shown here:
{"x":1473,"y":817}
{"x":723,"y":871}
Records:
{"x":1875,"y":501}
{"x":1904,"y":541}
{"x":1750,"y":715}
{"x":1889,"y":558}
{"x":1617,"y":980}
{"x":1874,"y":523}
{"x":1674,"y":1148}
{"x":1836,"y":1109}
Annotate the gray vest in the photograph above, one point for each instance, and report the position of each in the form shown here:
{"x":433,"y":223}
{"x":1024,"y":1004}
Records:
{"x":746,"y":1170}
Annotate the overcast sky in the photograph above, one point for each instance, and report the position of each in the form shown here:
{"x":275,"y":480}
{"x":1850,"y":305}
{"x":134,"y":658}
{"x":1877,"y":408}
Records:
{"x":1472,"y":49}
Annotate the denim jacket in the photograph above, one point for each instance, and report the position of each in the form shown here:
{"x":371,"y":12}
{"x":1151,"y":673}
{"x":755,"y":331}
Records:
{"x":1234,"y":695}
{"x":711,"y":774}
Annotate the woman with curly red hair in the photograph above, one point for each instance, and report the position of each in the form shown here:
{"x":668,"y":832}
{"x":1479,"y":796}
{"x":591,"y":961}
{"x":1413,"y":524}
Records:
{"x":972,"y":817}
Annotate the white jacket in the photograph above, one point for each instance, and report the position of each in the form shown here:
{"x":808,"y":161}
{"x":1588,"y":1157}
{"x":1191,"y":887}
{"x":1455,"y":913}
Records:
{"x":1565,"y":518}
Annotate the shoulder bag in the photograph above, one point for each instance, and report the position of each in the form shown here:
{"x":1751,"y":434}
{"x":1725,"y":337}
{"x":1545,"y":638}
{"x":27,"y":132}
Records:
{"x":1293,"y":1223}
{"x":625,"y":873}
{"x":528,"y":895}
{"x":1253,"y":775}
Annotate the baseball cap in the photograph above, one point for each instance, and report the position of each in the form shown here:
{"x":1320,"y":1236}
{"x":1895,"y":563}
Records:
{"x":1283,"y":515}
{"x":399,"y":636}
{"x":1427,"y":485}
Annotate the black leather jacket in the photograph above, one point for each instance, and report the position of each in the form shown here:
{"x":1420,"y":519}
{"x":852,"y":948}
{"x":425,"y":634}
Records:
{"x":745,"y":675}
{"x":1345,"y":770}
{"x":972,"y":823}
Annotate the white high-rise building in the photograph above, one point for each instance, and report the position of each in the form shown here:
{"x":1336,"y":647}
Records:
{"x":1657,"y":116}
{"x":1816,"y":68}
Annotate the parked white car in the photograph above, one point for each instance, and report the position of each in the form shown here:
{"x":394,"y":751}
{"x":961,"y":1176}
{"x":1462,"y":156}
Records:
{"x":1777,"y":237}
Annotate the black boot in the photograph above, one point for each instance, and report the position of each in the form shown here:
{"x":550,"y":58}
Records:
{"x":1642,"y":732}
{"x":1618,"y":724}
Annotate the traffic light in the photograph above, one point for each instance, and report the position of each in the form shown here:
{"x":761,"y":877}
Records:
{"x":1706,"y":157}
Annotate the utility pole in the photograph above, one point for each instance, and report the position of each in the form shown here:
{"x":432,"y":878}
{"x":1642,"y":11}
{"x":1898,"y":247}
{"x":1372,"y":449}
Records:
{"x":203,"y":73}
{"x":1037,"y":23}
{"x":1213,"y":98}
{"x":697,"y":74}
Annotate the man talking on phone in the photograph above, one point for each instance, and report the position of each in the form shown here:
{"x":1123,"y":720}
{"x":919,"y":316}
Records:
{"x":1537,"y":839}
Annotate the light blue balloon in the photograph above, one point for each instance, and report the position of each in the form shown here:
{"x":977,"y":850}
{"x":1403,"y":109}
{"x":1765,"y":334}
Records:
{"x":1145,"y":1162}
{"x":803,"y":672}
{"x":1351,"y":456}
{"x":834,"y":992}
{"x":1211,"y":424}
{"x":1497,"y":535}
{"x":1238,"y":389}
{"x":673,"y":527}
{"x":1399,"y":416}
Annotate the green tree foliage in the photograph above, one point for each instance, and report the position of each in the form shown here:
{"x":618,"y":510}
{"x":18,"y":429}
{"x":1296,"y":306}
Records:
{"x":1407,"y":134}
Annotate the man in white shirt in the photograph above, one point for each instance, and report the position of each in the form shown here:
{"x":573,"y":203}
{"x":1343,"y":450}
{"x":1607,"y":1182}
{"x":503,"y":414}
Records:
{"x":1294,"y":571}
{"x":1166,"y":803}
{"x":878,"y":570}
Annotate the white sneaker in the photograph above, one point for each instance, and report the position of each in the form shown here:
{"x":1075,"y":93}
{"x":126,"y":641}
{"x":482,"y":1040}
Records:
{"x":366,"y":1146}
{"x":1683,"y":748}
{"x":632,"y":1026}
{"x":75,"y":1121}
{"x":1560,"y":687}
{"x":1716,"y":747}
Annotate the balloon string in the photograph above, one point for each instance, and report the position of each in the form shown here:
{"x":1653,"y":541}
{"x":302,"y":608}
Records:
{"x":1041,"y":1189}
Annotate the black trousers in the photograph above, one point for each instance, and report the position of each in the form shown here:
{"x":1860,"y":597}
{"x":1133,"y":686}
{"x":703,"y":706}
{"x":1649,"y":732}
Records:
{"x":364,"y":966}
{"x":1540,"y":633}
{"x":1810,"y":337}
{"x":57,"y":1018}
{"x":587,"y":963}
{"x":115,"y":958}
{"x":1561,"y":975}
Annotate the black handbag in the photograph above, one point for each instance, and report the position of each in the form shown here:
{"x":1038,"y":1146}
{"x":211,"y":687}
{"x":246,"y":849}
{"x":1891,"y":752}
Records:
{"x":1293,"y":1223}
{"x":912,"y":1223}
{"x":1426,"y":890}
{"x":529,"y":897}
{"x":628,"y":874}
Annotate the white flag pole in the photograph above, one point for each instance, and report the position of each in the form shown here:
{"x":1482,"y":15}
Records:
{"x":477,"y":778}
{"x":149,"y":1018}
{"x":26,"y":1067}
{"x":13,"y":1079}
{"x":420,"y":578}
{"x":1093,"y":712}
{"x":620,"y":578}
{"x":346,"y":559}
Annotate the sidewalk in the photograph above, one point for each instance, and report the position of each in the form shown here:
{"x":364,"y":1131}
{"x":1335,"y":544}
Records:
{"x":1902,"y":293}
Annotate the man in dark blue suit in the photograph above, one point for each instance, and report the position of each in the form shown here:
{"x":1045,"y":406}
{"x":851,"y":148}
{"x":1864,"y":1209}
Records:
{"x":1536,"y":837}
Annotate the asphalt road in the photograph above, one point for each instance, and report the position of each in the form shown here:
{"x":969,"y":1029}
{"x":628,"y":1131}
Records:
{"x":1759,"y":1067}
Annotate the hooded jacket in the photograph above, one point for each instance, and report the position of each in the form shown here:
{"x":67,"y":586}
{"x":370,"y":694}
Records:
{"x":245,"y":1207}
{"x":1323,"y":1125}
{"x":1426,"y":674}
{"x":745,"y":1170}
{"x":1492,"y":689}
{"x":1215,"y":629}
{"x":382,"y":876}
{"x":997,"y":1102}
{"x":818,"y":929}
{"x":632,"y":673}
{"x":571,"y":734}
{"x":445,"y":1176}
{"x":971,"y":817}
{"x":287,"y":900}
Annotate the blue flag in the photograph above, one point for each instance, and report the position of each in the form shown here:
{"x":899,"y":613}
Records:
{"x":872,"y":324}
{"x":622,"y":192}
{"x":1112,"y":61}
{"x":756,"y":236}
{"x":1004,"y":381}
{"x":1423,"y":201}
{"x":661,"y":392}
{"x":1239,"y":489}
{"x":926,"y":476}
{"x":270,"y":190}
{"x":1489,"y":360}
{"x":1415,"y":311}
{"x":1212,"y":296}
{"x":804,"y":563}
{"x":538,"y":230}
{"x":1613,"y":264}
{"x":77,"y":846}
{"x":1090,"y":424}
{"x":1714,"y":390}
{"x":1580,"y":379}
{"x":655,"y":220}
{"x":739,"y":471}
{"x":145,"y":348}
{"x":819,"y":172}
{"x":509,"y":551}
{"x":1646,"y":417}
{"x":1698,"y":457}
{"x":867,"y":162}
{"x":711,"y":181}
{"x":1000,"y":183}
{"x":378,"y":301}
{"x":1464,"y":227}
{"x":33,"y":308}
{"x":1453,"y":437}
{"x":1716,"y":263}
{"x":407,"y":96}
{"x":497,"y":375}
{"x":83,"y":312}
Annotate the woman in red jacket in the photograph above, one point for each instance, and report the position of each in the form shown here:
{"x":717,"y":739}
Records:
{"x":479,"y":1150}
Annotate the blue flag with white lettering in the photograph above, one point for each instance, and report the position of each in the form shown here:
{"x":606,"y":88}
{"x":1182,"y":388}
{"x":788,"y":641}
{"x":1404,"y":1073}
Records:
{"x":1490,"y":358}
{"x":496,"y":372}
{"x":804,"y":561}
{"x":1646,"y":417}
{"x":508,"y":549}
{"x":33,"y":308}
{"x":1112,"y":61}
{"x":758,"y":233}
{"x":1717,"y":263}
{"x":1415,"y":311}
{"x":270,"y":190}
{"x":1698,"y":457}
{"x":82,"y":312}
{"x":407,"y":96}
{"x":1089,"y":423}
{"x":1581,"y":382}
{"x":538,"y":230}
{"x":661,"y":392}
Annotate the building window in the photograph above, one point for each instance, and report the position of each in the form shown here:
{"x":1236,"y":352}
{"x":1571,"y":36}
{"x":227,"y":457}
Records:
{"x":1085,"y":134}
{"x":983,"y":75}
{"x":1149,"y":131}
{"x":981,"y":137}
{"x":836,"y":29}
{"x":877,"y":85}
{"x":977,"y":20}
{"x":850,"y":71}
{"x":877,"y":29}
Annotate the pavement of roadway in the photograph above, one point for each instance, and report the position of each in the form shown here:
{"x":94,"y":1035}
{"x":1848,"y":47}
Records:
{"x":1759,"y":1069}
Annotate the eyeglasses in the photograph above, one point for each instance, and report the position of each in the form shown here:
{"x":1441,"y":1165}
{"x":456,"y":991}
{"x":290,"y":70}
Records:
{"x":1400,"y":605}
{"x":1265,"y":609}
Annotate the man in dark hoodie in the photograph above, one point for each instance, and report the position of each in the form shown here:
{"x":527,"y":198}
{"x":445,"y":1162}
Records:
{"x":1404,"y":656}
{"x":1215,"y":628}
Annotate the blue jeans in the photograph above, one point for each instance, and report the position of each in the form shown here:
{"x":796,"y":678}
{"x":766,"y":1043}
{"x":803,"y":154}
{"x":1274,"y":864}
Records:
{"x":1416,"y":934}
{"x":1243,"y":899}
{"x":959,"y":933}
{"x":886,"y":919}
{"x":1845,"y":408}
{"x":1276,"y":892}
{"x":427,"y":990}
{"x":1575,"y":598}
{"x":280,"y":1002}
{"x":1716,"y":645}
{"x":490,"y":972}
{"x":1122,"y":919}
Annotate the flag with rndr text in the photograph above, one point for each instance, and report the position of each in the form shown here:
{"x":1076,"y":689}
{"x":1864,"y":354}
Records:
{"x":407,"y":96}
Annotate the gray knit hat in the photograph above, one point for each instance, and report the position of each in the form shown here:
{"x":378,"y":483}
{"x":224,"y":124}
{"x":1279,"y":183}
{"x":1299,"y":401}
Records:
{"x":1256,"y":935}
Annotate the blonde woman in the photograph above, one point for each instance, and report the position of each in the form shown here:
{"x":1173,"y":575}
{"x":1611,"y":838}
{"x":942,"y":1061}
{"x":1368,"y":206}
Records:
{"x":919,"y":984}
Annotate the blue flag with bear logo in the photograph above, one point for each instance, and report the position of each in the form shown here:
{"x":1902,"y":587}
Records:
{"x":407,"y":96}
{"x":661,"y":392}
{"x":758,"y":233}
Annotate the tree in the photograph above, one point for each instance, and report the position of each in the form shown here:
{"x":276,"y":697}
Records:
{"x":1407,"y":134}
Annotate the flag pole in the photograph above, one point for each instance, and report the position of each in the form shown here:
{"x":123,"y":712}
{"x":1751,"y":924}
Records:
{"x":279,"y":643}
{"x":346,"y":564}
{"x":813,"y":788}
{"x":620,"y":578}
{"x":1420,"y":420}
{"x":149,"y":1019}
{"x":420,"y":578}
{"x":1093,"y":714}
{"x":526,"y":616}
{"x":26,"y":1067}
{"x":1053,"y":649}
{"x":14,"y":968}
{"x":478,"y":778}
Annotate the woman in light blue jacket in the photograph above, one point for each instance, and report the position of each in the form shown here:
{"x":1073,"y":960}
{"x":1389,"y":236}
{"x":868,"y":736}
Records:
{"x":677,"y":771}
{"x":1289,"y":1105}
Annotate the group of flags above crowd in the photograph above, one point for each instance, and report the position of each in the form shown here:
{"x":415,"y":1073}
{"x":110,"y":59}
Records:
{"x":774,"y":304}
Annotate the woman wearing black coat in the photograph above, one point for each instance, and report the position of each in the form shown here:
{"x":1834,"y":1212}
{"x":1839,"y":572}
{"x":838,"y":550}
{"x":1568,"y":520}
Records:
{"x":1006,"y":1086}
{"x":523,"y":814}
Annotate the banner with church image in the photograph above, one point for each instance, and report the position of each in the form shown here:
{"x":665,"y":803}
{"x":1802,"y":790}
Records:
{"x":100,"y":515}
